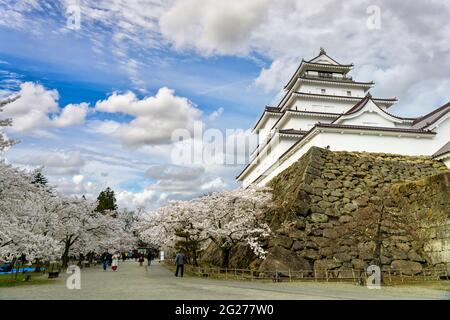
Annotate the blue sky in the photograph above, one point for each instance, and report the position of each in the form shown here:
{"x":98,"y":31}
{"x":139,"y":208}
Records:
{"x":135,"y":71}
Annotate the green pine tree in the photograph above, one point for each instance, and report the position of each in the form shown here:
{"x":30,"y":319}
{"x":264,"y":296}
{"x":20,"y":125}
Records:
{"x":39,"y":179}
{"x":106,"y":200}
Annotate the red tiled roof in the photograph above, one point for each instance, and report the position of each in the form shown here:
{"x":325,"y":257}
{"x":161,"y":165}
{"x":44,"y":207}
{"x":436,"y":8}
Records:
{"x":357,"y":107}
{"x":267,"y":109}
{"x":445,"y":149}
{"x":293,"y":131}
{"x":432,"y":117}
{"x":272,"y":109}
{"x":346,"y":126}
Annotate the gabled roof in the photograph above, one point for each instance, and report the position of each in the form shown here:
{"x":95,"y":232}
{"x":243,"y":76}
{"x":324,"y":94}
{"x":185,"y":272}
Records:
{"x":362,"y":103}
{"x":444,"y":150}
{"x":317,"y":65}
{"x":432,"y":117}
{"x":323,"y":53}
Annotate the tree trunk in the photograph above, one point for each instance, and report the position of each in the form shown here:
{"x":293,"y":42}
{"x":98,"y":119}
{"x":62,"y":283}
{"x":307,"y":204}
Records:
{"x":195,"y":258}
{"x":225,"y":257}
{"x":65,"y":255}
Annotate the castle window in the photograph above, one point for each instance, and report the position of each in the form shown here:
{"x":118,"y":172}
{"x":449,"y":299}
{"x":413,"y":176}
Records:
{"x":325,"y":74}
{"x":349,"y":93}
{"x":323,"y":91}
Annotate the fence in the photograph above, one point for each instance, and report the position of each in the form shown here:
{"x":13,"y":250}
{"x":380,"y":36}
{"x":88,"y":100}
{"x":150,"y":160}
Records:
{"x":323,"y":275}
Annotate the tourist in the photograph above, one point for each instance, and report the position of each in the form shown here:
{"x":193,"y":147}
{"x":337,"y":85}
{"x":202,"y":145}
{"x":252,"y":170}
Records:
{"x":179,"y":262}
{"x":141,"y":259}
{"x":115,"y":261}
{"x":105,"y":261}
{"x":149,"y":257}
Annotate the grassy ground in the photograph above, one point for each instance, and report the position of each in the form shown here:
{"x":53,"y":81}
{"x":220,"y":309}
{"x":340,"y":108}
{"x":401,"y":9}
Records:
{"x":10,"y":280}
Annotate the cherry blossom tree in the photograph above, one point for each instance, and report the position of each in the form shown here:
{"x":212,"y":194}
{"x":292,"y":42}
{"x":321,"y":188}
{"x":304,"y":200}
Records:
{"x":225,"y":218}
{"x":178,"y":225}
{"x":4,"y":141}
{"x":38,"y":222}
{"x":236,"y":216}
{"x":26,"y":215}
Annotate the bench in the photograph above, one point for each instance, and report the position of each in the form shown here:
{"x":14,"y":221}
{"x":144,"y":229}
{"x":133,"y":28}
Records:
{"x":52,"y":275}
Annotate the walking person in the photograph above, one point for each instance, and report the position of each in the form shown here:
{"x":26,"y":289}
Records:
{"x":149,"y":257}
{"x":179,"y":262}
{"x":105,"y":261}
{"x":141,"y":260}
{"x":115,"y":261}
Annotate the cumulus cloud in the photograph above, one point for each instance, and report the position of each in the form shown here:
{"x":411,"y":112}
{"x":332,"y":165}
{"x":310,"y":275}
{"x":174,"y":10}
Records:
{"x":210,"y":27}
{"x":71,"y":115}
{"x":37,"y":109}
{"x":54,"y":162}
{"x":174,"y":172}
{"x":155,"y":117}
{"x":136,"y":200}
{"x":281,"y":32}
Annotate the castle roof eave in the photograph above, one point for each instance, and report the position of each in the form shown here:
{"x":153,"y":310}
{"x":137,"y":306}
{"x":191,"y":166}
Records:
{"x":268,"y":110}
{"x":343,"y":82}
{"x":432,"y":117}
{"x":443,"y":152}
{"x":362,"y":103}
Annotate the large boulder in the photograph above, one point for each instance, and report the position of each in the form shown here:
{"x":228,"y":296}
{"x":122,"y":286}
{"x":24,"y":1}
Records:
{"x":282,"y":260}
{"x":406,"y":267}
{"x":327,"y":264}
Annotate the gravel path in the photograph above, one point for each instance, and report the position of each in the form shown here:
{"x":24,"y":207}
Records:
{"x":134,"y":282}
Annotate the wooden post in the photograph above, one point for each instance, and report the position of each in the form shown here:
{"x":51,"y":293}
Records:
{"x":353,"y":274}
{"x":315,"y":275}
{"x":326,"y":274}
{"x":226,"y":273}
{"x":290,"y":278}
{"x":390,"y":278}
{"x":401,"y":275}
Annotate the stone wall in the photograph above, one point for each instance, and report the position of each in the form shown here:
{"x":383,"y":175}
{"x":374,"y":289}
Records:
{"x":433,"y":195}
{"x":324,"y":191}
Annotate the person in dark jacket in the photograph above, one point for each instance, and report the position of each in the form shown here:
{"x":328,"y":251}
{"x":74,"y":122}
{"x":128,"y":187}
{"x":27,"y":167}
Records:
{"x":105,"y":260}
{"x":179,"y":262}
{"x":149,"y":257}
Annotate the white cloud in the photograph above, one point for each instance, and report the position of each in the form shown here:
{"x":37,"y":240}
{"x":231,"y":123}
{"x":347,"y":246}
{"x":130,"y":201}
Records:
{"x":134,"y":200}
{"x":71,"y":115}
{"x":155,"y":117}
{"x":277,"y":75}
{"x":174,"y":172}
{"x":37,"y":109}
{"x":54,"y":162}
{"x":78,"y":179}
{"x":214,"y":184}
{"x":216,"y":114}
{"x":210,"y":27}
